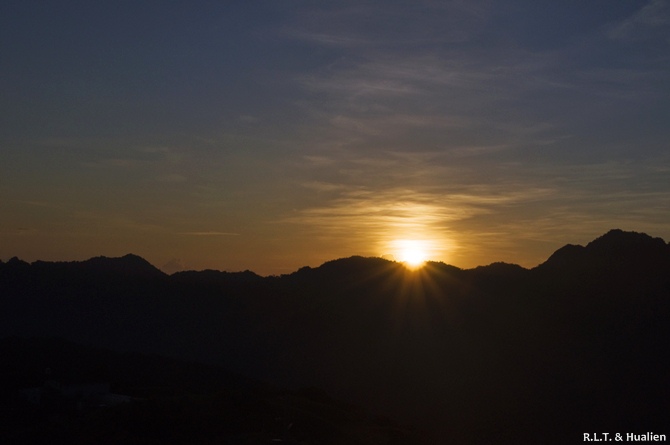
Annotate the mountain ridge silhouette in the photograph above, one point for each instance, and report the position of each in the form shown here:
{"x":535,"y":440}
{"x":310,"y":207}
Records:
{"x":578,"y":343}
{"x":618,"y":245}
{"x":615,"y":241}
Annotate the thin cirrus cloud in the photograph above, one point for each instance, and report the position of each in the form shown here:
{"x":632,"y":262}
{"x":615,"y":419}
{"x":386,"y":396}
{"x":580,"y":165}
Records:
{"x":652,"y":18}
{"x":367,"y":25}
{"x":461,"y":81}
{"x":374,"y":216}
{"x":522,"y":113}
{"x":210,"y":233}
{"x":526,"y":207}
{"x":451,"y":223}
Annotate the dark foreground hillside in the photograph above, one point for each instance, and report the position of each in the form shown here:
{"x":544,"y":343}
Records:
{"x":157,"y":400}
{"x":496,"y":354}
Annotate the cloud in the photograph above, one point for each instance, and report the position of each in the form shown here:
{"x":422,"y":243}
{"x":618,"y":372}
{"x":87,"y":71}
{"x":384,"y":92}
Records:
{"x":376,"y":216}
{"x":646,"y":23}
{"x":477,"y":150}
{"x":320,"y":186}
{"x":46,"y":204}
{"x":209,"y":233}
{"x":365,"y":24}
{"x":324,"y":38}
{"x":173,"y":265}
{"x":391,"y":99}
{"x":248,"y":119}
{"x":425,"y":89}
{"x":522,"y":210}
{"x":18,"y":231}
{"x":106,"y":219}
{"x":172,"y":178}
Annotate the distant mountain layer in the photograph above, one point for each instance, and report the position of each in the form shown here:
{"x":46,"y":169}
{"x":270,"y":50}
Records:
{"x":495,"y":354}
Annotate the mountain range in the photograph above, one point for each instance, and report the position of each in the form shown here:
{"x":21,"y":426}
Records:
{"x":495,"y":354}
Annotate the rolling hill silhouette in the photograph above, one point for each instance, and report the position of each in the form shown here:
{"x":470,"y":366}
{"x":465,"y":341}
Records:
{"x":495,"y":354}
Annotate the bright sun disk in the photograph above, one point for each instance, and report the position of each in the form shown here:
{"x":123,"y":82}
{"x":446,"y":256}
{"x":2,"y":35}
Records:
{"x":412,"y":252}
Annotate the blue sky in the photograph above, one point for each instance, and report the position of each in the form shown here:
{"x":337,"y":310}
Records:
{"x":268,"y":135}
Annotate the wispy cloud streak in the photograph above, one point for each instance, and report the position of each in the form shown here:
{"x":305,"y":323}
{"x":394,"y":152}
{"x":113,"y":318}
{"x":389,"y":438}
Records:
{"x":210,"y":233}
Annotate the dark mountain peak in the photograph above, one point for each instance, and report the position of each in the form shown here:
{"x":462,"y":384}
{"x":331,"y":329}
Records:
{"x":135,"y":258}
{"x":566,"y":255}
{"x":500,"y":268}
{"x":16,"y":262}
{"x":15,"y":267}
{"x":211,"y":276}
{"x":343,"y":268}
{"x":616,"y":247}
{"x":354,"y":261}
{"x":619,"y":241}
{"x":129,"y":264}
{"x":353,"y":265}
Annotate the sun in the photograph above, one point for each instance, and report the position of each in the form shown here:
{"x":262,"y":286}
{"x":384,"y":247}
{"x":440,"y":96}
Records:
{"x":414,"y":253}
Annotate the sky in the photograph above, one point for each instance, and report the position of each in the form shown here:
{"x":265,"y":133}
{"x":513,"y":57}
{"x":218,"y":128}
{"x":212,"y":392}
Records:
{"x":271,"y":135}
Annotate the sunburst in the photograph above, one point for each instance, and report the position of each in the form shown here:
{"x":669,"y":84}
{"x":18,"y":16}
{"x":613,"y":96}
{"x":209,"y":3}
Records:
{"x":413,"y":253}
